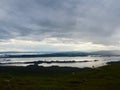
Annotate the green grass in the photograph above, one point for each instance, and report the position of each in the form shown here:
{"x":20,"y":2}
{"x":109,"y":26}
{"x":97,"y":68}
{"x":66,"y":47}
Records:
{"x":56,"y":78}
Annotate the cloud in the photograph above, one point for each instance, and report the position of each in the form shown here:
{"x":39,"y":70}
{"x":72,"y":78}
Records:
{"x":67,"y":21}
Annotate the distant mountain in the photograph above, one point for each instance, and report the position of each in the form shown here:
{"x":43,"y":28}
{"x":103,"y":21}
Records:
{"x":57,"y":54}
{"x":106,"y":52}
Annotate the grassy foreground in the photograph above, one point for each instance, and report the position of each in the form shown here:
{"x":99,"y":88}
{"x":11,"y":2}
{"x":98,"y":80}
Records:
{"x":56,"y":78}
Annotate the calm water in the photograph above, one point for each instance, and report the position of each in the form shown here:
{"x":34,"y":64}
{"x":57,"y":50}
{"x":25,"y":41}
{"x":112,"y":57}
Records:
{"x":101,"y":61}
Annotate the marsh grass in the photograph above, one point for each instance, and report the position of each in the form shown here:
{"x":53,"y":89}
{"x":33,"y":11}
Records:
{"x":57,"y":78}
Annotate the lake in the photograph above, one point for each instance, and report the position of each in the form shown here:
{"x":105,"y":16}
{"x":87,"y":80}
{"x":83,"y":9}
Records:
{"x":81,"y":62}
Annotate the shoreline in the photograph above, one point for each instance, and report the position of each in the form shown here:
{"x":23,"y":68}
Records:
{"x":60,"y":78}
{"x":35,"y":67}
{"x":40,"y":62}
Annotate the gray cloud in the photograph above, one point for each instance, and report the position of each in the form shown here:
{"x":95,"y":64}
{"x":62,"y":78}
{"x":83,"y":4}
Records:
{"x":95,"y":21}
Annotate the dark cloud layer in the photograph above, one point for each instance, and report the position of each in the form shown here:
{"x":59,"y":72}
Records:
{"x":95,"y":21}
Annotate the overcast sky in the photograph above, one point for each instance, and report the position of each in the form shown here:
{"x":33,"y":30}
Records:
{"x":59,"y":25}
